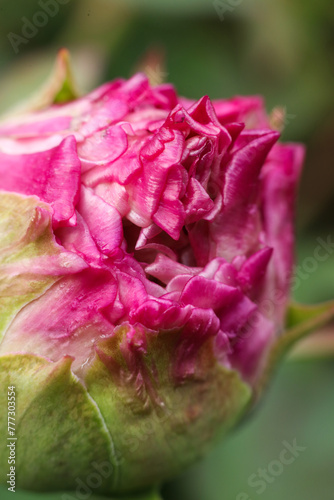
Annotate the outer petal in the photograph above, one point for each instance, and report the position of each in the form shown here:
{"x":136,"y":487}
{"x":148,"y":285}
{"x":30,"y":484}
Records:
{"x":249,"y":110}
{"x":252,"y":347}
{"x":72,"y":319}
{"x":30,"y":259}
{"x":51,"y":175}
{"x":280,"y":177}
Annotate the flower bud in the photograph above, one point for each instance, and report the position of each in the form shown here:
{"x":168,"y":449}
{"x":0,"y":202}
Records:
{"x":146,"y":250}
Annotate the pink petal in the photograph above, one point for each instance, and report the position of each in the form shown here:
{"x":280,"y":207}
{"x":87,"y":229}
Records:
{"x":103,"y":221}
{"x":52,"y":175}
{"x":79,"y":240}
{"x":103,"y":147}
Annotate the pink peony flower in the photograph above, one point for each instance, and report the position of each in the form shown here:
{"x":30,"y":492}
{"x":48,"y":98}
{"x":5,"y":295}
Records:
{"x":146,"y":251}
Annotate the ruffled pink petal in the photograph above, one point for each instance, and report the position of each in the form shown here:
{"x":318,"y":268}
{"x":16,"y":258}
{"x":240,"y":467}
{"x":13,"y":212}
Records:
{"x":197,"y":202}
{"x":201,"y":326}
{"x":115,"y":195}
{"x":204,"y":293}
{"x":253,"y":271}
{"x":236,"y":229}
{"x":67,"y":318}
{"x":165,"y":269}
{"x":280,"y":177}
{"x":249,"y":110}
{"x":104,"y":221}
{"x":252,"y":345}
{"x":102,"y":147}
{"x":156,"y":314}
{"x":78,"y":239}
{"x":52,"y":175}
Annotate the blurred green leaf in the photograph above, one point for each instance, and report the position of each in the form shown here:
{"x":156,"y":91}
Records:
{"x":300,"y":321}
{"x":72,"y":495}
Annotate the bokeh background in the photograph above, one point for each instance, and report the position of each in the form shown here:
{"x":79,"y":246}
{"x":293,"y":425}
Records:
{"x":283,"y":50}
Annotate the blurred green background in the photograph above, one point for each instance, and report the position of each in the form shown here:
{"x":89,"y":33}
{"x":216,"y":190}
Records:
{"x":283,"y":50}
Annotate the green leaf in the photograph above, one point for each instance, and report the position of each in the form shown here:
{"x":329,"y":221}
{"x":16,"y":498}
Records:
{"x":300,"y":315}
{"x":149,"y":495}
{"x":72,"y":495}
{"x":152,"y":495}
{"x":301,"y":320}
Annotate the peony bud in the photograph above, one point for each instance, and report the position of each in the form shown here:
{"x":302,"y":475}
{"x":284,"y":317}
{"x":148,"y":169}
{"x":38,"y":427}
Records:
{"x":146,"y":251}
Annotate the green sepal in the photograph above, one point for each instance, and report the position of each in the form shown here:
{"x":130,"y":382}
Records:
{"x":64,"y":86}
{"x":58,"y":88}
{"x":62,"y":441}
{"x":160,"y":425}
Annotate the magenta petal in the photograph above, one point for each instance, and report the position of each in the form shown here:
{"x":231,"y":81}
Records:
{"x":51,"y":175}
{"x":36,"y":127}
{"x":197,"y":201}
{"x":69,"y":316}
{"x":131,"y":294}
{"x":202,"y":245}
{"x":158,"y":314}
{"x":165,"y":269}
{"x":103,"y":220}
{"x":135,"y":89}
{"x":29,"y":146}
{"x":237,"y":228}
{"x":103,"y":147}
{"x":160,"y":153}
{"x":115,"y":195}
{"x":170,"y":217}
{"x":252,"y":272}
{"x":236,"y":317}
{"x":122,"y":169}
{"x":177,"y":284}
{"x":101,"y":115}
{"x":204,"y":293}
{"x":243,"y":171}
{"x":79,"y":240}
{"x":249,"y":110}
{"x":201,"y":325}
{"x":251,"y":347}
{"x":280,"y":178}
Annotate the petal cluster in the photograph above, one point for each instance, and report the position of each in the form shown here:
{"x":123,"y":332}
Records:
{"x":180,"y":213}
